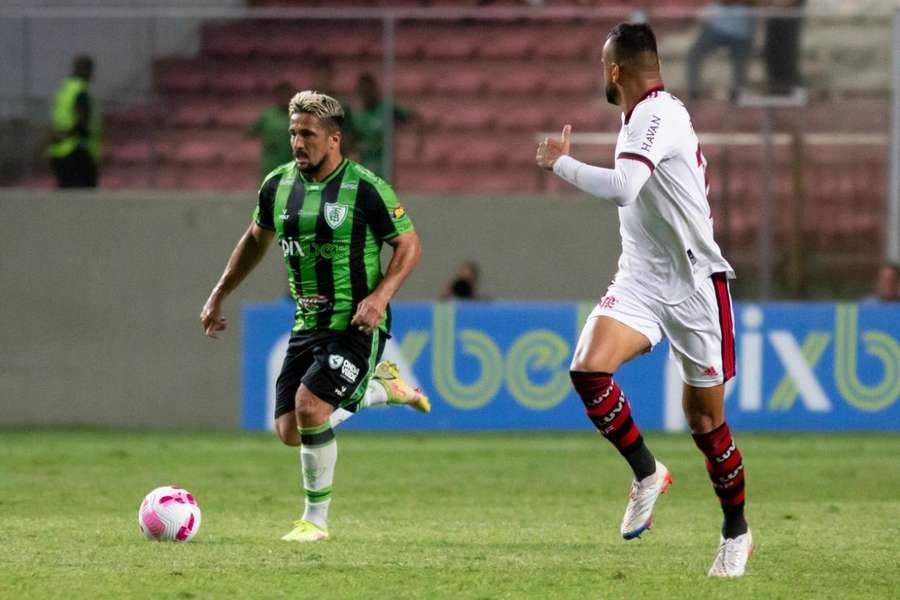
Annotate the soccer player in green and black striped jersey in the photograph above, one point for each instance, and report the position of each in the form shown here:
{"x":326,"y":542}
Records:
{"x":330,"y":216}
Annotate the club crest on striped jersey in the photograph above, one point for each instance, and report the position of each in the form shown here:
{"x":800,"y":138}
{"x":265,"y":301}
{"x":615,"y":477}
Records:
{"x":335,"y":214}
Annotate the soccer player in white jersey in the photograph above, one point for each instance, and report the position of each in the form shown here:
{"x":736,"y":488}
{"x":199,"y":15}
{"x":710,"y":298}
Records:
{"x":672,"y":281}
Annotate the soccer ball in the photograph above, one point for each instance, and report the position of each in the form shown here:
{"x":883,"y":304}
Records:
{"x":169,"y":514}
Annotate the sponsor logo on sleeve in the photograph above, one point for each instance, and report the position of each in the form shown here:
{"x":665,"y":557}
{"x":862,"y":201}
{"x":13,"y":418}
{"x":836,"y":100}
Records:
{"x":650,"y":136}
{"x":399,"y":212}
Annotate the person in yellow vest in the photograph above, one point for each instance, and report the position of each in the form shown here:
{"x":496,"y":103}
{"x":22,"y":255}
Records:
{"x":75,"y":150}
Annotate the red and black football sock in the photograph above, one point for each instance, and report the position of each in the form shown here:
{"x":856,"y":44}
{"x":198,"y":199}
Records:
{"x":726,"y":471}
{"x":609,"y":411}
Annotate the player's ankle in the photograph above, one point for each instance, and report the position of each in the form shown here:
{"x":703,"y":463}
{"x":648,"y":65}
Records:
{"x":734,"y":525}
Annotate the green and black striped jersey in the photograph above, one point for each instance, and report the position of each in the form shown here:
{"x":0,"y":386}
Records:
{"x":330,"y":233}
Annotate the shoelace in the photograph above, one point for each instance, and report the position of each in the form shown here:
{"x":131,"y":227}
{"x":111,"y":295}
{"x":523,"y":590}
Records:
{"x":635,"y":489}
{"x":730,"y":553}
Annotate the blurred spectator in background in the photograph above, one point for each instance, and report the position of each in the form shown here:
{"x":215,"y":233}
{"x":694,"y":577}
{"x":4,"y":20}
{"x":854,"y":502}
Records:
{"x":728,"y":24}
{"x":323,"y":82}
{"x":782,"y":48}
{"x":75,"y":147}
{"x":368,"y":123}
{"x":887,"y":285}
{"x":271,"y":127}
{"x":464,"y":284}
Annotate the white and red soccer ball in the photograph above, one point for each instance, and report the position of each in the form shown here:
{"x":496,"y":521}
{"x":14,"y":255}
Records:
{"x":169,"y":514}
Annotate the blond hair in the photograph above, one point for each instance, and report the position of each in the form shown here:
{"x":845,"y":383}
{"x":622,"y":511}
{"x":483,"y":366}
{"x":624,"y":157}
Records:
{"x":319,"y":105}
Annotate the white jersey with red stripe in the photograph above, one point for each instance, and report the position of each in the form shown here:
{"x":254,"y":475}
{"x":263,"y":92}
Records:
{"x":668,"y":248}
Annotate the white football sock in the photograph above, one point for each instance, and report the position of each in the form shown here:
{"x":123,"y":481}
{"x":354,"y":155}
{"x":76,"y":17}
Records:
{"x":339,"y":416}
{"x":318,"y":455}
{"x":376,"y":395}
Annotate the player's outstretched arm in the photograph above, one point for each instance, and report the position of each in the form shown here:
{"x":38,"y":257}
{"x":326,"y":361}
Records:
{"x":246,"y":255}
{"x":619,"y":185}
{"x":407,"y":251}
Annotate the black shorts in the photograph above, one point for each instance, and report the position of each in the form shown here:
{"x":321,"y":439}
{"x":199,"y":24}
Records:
{"x":334,"y":365}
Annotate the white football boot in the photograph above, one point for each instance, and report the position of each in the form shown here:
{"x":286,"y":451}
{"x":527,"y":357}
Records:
{"x":639,"y":512}
{"x":731,"y":558}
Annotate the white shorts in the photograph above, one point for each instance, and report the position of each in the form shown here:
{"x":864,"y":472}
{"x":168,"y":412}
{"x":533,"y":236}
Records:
{"x":700,"y":329}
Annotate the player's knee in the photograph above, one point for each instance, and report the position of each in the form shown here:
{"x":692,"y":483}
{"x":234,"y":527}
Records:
{"x":310,"y":409}
{"x":592,"y":357}
{"x":701,"y":421}
{"x":286,"y":429}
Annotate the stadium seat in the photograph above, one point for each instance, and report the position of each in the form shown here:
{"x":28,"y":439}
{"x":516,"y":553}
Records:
{"x":234,"y":39}
{"x":287,"y":39}
{"x":580,"y":82}
{"x":585,"y":116}
{"x":242,"y":152}
{"x":516,"y":82}
{"x":411,"y":81}
{"x":199,"y":153}
{"x":234,"y":80}
{"x":239,"y":115}
{"x":409,"y":43}
{"x":453,"y":44}
{"x":350,"y":44}
{"x":460,"y":114}
{"x":460,"y":81}
{"x":193,"y":115}
{"x":178,"y":76}
{"x":566,"y":43}
{"x":127,"y":153}
{"x":507,"y":45}
{"x":526,"y":117}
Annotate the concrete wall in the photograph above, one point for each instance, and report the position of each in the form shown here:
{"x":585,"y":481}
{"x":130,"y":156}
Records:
{"x":100,"y":293}
{"x":37,"y":51}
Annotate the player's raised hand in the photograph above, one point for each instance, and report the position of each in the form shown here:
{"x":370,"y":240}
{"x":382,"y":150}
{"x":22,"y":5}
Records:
{"x":549,"y":150}
{"x":211,"y":318}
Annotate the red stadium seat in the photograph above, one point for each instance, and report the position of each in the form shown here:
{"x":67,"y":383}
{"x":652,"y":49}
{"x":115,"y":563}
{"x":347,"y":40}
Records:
{"x":235,"y":39}
{"x":243,"y":152}
{"x":523,"y":117}
{"x":193,"y":116}
{"x":571,"y":82}
{"x":240,"y":115}
{"x":234,"y":80}
{"x":585,"y":116}
{"x":516,"y":81}
{"x":453,"y":44}
{"x":127,"y":153}
{"x":410,"y":43}
{"x":289,"y":42}
{"x":468,"y":82}
{"x":176,"y":76}
{"x":350,"y":44}
{"x":199,"y":153}
{"x":411,"y":81}
{"x":567,"y":43}
{"x":507,"y":44}
{"x":457,"y":115}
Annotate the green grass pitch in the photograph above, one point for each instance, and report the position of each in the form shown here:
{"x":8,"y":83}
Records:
{"x":527,"y":515}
